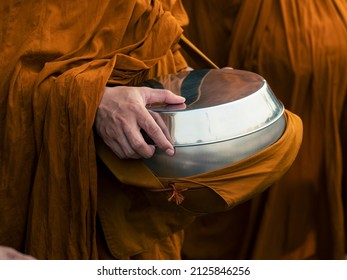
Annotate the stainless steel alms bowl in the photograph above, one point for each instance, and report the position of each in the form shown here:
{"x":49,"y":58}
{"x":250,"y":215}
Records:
{"x":229,"y":115}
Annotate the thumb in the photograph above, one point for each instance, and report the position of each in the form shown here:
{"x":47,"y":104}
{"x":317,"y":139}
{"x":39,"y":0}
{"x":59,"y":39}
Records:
{"x":163,"y":96}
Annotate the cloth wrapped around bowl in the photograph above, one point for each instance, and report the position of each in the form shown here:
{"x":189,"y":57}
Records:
{"x":222,"y":185}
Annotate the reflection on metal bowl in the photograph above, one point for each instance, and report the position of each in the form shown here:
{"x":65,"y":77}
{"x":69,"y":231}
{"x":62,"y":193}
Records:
{"x":229,"y":115}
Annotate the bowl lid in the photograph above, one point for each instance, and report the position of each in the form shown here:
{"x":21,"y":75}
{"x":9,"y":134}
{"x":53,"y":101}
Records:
{"x":221,"y":104}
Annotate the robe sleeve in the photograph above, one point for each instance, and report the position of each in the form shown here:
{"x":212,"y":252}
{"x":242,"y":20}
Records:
{"x":56,"y":58}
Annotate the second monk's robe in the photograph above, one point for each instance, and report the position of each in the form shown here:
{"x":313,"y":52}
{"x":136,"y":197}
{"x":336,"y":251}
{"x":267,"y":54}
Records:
{"x":300,"y":47}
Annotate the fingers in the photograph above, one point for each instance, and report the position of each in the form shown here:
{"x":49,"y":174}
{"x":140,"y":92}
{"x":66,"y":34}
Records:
{"x":119,"y":138}
{"x":158,"y":133}
{"x":120,"y":146}
{"x":157,"y":118}
{"x":122,"y":114}
{"x":162,"y":96}
{"x":135,"y":140}
{"x":136,"y":143}
{"x":8,"y":253}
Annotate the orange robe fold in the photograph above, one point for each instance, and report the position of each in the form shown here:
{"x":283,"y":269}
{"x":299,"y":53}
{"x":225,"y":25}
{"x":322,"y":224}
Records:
{"x":56,"y":58}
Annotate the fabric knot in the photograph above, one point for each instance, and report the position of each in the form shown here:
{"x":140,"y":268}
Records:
{"x":176,"y":195}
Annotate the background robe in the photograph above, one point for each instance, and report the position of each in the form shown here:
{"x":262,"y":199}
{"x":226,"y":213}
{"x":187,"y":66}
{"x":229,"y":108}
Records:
{"x":300,"y":47}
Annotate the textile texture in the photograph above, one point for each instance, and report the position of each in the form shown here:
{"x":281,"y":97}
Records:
{"x":300,"y":48}
{"x":55,"y":60}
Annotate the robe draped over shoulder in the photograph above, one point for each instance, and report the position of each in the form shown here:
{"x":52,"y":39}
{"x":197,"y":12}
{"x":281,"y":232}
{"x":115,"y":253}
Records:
{"x":55,"y":59}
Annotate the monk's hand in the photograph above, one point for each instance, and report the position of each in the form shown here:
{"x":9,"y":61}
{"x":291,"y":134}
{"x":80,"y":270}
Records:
{"x":122,"y":114}
{"x":8,"y":253}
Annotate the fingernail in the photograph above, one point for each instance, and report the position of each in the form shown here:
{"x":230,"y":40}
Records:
{"x":170,"y":152}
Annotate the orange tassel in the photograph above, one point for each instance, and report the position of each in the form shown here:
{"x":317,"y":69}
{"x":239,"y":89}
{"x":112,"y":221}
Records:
{"x":176,"y":194}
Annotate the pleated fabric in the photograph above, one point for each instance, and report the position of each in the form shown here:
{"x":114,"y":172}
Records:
{"x":56,"y":57}
{"x":57,"y":200}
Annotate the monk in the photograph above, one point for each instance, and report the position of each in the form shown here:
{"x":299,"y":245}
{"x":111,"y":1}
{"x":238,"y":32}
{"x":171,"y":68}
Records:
{"x":59,"y":61}
{"x":300,"y":47}
{"x":70,"y":75}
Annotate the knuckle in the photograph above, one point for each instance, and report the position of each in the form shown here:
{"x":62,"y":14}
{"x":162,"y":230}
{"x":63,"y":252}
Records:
{"x":135,"y":107}
{"x":137,"y":144}
{"x":130,"y":154}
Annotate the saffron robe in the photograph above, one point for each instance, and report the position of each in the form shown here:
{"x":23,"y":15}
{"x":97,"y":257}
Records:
{"x":56,"y":57}
{"x":300,"y":47}
{"x":57,"y":199}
